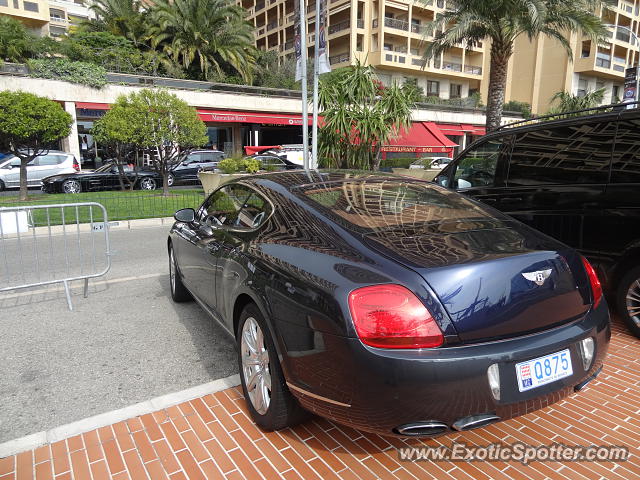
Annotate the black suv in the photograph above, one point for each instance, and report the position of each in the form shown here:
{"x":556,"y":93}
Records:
{"x":198,"y":160}
{"x":576,"y":179}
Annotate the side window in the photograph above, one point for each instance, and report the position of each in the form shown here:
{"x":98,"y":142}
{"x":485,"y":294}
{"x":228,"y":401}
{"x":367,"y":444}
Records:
{"x":193,"y":158}
{"x":479,"y":166}
{"x":235,"y":206}
{"x":625,"y":167}
{"x":577,"y":154}
{"x":48,"y":160}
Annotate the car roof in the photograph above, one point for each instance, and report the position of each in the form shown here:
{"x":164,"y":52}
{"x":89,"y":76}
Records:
{"x":294,"y":180}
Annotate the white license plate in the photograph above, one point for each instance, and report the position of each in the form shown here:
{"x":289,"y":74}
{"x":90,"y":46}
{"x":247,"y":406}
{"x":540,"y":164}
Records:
{"x":542,"y":370}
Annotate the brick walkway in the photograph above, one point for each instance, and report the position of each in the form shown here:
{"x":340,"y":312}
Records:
{"x":212,"y":437}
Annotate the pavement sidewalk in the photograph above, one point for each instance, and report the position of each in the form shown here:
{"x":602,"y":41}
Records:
{"x":212,"y":437}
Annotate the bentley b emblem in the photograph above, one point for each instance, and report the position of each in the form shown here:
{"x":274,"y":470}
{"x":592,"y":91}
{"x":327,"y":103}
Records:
{"x":538,"y":277}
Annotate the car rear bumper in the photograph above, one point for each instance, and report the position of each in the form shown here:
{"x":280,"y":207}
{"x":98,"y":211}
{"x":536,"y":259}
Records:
{"x":380,"y":390}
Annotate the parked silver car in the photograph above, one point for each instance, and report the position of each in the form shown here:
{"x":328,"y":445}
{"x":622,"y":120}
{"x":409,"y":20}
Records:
{"x":53,"y":163}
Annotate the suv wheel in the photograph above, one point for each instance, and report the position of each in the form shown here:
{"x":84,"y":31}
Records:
{"x":628,"y":301}
{"x":170,"y":180}
{"x":271,"y":404}
{"x":2,"y":187}
{"x":71,"y":186}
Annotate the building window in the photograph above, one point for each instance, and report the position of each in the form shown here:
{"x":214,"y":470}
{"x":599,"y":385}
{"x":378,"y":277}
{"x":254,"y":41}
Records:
{"x":455,"y":90}
{"x":582,"y":88}
{"x":388,"y":47}
{"x":30,"y":6}
{"x":440,"y":3}
{"x":4,"y":3}
{"x":16,"y":4}
{"x":615,"y":94}
{"x":586,"y":49}
{"x":433,"y":88}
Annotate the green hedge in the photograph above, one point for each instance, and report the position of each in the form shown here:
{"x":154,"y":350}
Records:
{"x":75,"y":72}
{"x":397,"y":162}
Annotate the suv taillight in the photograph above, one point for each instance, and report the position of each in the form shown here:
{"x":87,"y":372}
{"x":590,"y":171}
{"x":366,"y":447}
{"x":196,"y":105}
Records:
{"x":390,"y":316}
{"x":76,"y":165}
{"x":596,"y":287}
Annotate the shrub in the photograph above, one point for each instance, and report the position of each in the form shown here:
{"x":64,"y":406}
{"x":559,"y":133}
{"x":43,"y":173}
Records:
{"x":251,"y":165}
{"x":228,"y":165}
{"x":514,"y":106}
{"x":73,"y":72}
{"x":397,"y":162}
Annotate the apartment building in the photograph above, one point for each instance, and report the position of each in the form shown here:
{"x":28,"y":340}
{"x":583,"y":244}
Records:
{"x":388,"y":34}
{"x":47,"y":17}
{"x":541,"y":68}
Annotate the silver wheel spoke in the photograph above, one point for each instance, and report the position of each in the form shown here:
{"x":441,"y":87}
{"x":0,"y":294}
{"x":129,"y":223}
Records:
{"x":255,"y":366}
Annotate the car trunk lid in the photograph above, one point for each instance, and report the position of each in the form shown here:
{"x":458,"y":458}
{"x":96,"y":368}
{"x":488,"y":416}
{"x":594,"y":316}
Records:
{"x":495,"y":277}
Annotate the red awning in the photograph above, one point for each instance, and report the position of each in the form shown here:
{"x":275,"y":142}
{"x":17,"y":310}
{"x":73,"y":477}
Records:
{"x":250,"y":150}
{"x":93,"y":106}
{"x":461,"y":129}
{"x":422,"y":137}
{"x":250,"y":117}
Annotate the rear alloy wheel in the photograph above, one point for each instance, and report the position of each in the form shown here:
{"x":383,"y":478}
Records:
{"x":268,"y":398}
{"x":179,"y":292}
{"x":170,"y":180}
{"x":629,"y":300}
{"x":71,"y":186}
{"x":147,"y":184}
{"x":2,"y":187}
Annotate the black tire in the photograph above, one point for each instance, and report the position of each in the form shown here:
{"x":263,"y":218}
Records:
{"x":71,"y":186}
{"x":179,"y":292}
{"x":148,"y":183}
{"x":2,"y":187}
{"x":283,"y":409}
{"x":627,"y":299}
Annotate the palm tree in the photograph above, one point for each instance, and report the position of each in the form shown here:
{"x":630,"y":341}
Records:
{"x":209,"y":33}
{"x":568,"y":102}
{"x":120,"y":17}
{"x":502,"y":22}
{"x":360,"y":116}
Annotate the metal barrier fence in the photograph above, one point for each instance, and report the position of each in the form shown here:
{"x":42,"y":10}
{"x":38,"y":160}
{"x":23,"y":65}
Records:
{"x":47,"y":244}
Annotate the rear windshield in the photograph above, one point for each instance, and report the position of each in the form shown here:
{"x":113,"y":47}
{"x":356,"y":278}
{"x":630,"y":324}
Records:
{"x":392,"y":204}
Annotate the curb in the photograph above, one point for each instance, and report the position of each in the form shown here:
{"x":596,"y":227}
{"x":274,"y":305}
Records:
{"x":36,"y":440}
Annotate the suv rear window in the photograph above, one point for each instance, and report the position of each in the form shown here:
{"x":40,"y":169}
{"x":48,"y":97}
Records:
{"x":575,"y":154}
{"x":391,"y":204}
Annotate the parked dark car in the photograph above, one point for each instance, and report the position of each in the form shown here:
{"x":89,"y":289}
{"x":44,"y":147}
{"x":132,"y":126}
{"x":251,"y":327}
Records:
{"x":387,"y":303}
{"x":275,"y":162}
{"x":198,"y":160}
{"x":104,"y":178}
{"x":576,"y":179}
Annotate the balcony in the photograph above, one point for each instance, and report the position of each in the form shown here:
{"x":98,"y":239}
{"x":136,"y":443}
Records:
{"x":360,"y":23}
{"x":397,"y":24}
{"x":344,"y":25}
{"x":272,"y":25}
{"x":259,"y":6}
{"x":452,"y":66}
{"x":58,"y":20}
{"x":288,"y":45}
{"x":419,"y":29}
{"x":472,"y":70}
{"x":342,"y":58}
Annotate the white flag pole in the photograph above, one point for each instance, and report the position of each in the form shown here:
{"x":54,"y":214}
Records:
{"x":303,"y":71}
{"x":316,"y":76}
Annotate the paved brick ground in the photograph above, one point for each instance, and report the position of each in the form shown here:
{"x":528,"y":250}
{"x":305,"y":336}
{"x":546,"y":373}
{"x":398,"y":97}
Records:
{"x":212,"y":437}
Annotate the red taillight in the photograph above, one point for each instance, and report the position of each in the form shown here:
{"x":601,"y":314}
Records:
{"x":390,"y":316}
{"x":596,"y":287}
{"x":76,"y":165}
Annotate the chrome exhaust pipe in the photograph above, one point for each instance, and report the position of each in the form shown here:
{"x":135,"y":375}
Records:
{"x":422,"y":429}
{"x":474,"y":421}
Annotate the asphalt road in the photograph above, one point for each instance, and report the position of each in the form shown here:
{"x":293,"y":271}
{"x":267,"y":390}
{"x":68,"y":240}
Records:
{"x":127,"y":342}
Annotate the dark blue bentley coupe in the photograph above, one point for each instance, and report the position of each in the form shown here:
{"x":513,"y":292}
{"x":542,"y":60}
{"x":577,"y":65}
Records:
{"x":388,"y":304}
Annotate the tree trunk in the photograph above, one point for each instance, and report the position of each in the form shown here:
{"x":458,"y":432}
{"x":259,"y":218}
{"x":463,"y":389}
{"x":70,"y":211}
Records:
{"x":500,"y":55}
{"x":23,"y":178}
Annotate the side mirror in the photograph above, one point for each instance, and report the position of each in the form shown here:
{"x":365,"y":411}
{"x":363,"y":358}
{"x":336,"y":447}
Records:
{"x":185,"y":215}
{"x":185,"y":163}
